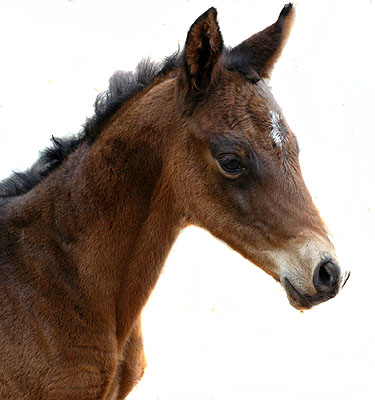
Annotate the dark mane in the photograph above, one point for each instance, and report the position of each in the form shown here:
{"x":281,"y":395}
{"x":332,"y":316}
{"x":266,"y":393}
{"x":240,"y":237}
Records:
{"x":122,"y":86}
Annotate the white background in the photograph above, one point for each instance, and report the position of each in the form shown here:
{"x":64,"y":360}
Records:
{"x":216,"y":326}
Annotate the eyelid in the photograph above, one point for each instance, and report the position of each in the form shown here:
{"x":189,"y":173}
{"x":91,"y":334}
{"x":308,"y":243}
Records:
{"x":229,"y":144}
{"x":228,"y":174}
{"x":229,"y":155}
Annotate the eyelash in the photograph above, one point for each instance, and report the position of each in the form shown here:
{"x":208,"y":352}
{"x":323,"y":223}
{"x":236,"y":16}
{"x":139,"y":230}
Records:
{"x":230,"y":166}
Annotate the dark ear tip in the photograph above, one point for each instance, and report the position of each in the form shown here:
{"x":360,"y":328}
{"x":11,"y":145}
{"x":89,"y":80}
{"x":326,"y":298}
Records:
{"x":286,"y":10}
{"x":211,"y":11}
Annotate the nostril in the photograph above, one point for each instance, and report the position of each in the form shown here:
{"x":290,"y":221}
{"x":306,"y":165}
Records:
{"x":326,"y":277}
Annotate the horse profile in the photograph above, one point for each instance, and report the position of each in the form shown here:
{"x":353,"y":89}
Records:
{"x":84,"y":233}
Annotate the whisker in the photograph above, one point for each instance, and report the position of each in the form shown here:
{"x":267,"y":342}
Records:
{"x":346,"y":279}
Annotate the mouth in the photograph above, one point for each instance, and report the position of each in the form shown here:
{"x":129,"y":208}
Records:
{"x":296,"y":299}
{"x":302,"y":301}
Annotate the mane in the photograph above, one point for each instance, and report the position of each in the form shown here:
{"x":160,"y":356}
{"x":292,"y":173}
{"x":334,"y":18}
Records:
{"x":122,"y":87}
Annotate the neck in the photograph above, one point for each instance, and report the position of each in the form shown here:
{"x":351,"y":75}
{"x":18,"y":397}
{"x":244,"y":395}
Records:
{"x":110,"y":212}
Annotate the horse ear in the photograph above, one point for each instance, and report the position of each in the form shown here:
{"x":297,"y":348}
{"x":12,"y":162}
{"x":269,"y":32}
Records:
{"x":203,"y":48}
{"x":257,"y":55}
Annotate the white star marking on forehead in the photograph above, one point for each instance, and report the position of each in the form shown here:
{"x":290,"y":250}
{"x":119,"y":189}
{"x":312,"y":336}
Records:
{"x":277,"y":132}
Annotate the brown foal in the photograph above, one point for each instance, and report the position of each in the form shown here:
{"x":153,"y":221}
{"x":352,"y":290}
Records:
{"x":85,"y":232}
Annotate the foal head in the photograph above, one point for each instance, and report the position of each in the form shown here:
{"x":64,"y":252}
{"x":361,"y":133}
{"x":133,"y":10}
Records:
{"x":236,"y":171}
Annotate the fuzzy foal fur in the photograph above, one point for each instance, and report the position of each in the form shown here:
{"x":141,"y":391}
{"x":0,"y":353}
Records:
{"x":85,"y":232}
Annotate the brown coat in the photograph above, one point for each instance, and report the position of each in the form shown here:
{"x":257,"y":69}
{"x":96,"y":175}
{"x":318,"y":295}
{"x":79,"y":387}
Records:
{"x":84,"y":234}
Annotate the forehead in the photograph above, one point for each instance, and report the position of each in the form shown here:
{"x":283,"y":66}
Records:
{"x":270,"y":112}
{"x":263,"y":91}
{"x":261,"y":104}
{"x":245,"y":109}
{"x":256,"y":106}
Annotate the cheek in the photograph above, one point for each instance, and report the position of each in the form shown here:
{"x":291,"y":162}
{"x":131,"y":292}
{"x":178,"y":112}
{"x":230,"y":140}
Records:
{"x":197,"y":188}
{"x":239,"y":199}
{"x":235,"y":197}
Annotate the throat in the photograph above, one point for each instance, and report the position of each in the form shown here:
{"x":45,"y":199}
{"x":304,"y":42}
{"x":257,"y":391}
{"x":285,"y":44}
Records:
{"x":141,"y":273}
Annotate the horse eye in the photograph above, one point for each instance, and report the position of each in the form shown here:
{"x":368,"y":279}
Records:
{"x":231,"y":166}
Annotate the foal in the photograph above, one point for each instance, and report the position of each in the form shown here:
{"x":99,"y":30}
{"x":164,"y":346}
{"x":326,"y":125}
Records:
{"x":85,"y":232}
